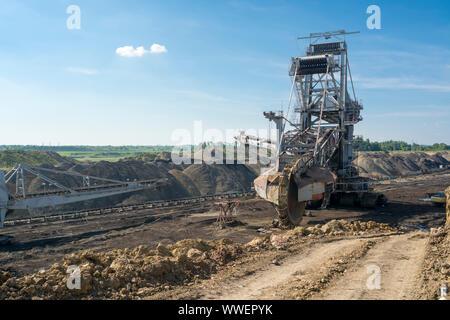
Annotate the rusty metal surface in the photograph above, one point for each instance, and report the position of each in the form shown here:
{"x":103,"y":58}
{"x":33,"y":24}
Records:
{"x":313,"y":191}
{"x":316,"y":175}
{"x":274,"y":187}
{"x":277,"y":188}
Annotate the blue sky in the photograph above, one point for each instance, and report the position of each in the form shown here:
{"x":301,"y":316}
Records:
{"x":225,"y":63}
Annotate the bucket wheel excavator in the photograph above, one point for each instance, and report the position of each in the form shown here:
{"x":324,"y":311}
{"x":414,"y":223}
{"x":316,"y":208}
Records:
{"x":314,"y":151}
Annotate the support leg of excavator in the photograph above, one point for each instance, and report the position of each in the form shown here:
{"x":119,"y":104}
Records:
{"x":3,"y":216}
{"x":4,"y":240}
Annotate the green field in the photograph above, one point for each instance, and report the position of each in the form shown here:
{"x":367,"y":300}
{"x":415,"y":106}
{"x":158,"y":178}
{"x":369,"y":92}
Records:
{"x":112,"y":153}
{"x":95,"y":153}
{"x":102,"y":155}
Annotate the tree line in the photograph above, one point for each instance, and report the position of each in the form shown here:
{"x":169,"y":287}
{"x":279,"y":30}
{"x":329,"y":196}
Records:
{"x":391,"y":145}
{"x":83,"y":148}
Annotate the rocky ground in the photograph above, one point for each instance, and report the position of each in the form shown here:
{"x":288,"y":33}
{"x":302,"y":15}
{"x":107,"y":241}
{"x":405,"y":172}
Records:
{"x":142,"y":273}
{"x":435,"y":269}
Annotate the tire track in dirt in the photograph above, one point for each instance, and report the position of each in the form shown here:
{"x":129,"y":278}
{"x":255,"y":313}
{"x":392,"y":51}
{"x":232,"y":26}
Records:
{"x":261,"y":283}
{"x":399,"y":258}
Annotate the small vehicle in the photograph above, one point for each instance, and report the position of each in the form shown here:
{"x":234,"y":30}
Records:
{"x":437,"y":199}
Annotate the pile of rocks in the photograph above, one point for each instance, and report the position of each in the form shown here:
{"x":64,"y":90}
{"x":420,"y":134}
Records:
{"x":332,"y":228}
{"x":343,"y":227}
{"x":140,"y":272}
{"x":121,"y":274}
{"x":436,"y":266}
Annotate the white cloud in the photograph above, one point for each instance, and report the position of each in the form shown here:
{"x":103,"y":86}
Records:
{"x":130,"y":51}
{"x":85,"y":71}
{"x":157,"y":48}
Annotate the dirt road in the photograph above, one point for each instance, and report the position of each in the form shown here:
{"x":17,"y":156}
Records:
{"x":262,"y":283}
{"x":397,"y":260}
{"x":343,"y":269}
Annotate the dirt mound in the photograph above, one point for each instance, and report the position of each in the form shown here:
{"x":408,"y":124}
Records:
{"x":183,"y":181}
{"x":332,"y":228}
{"x":445,"y":155}
{"x":9,"y":158}
{"x":219,"y":178}
{"x":164,"y":156}
{"x":119,"y":274}
{"x":138,"y":170}
{"x":141,"y":272}
{"x":186,"y":182}
{"x":394,"y":164}
{"x":342,"y":227}
{"x":436,"y":266}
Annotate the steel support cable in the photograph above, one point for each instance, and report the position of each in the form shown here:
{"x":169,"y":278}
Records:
{"x":41,"y":176}
{"x":76,"y":174}
{"x":11,"y":174}
{"x":321,"y":110}
{"x":24,"y":193}
{"x":290,"y":99}
{"x":284,"y":123}
{"x":299,"y":95}
{"x":10,"y":171}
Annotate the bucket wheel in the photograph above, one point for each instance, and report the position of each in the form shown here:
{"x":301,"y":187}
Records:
{"x":289,"y":209}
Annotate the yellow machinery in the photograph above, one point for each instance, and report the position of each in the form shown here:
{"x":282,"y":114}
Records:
{"x":438,"y":199}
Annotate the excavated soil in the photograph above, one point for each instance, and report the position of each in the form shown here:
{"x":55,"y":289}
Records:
{"x":145,"y":254}
{"x":141,"y":272}
{"x":435,"y":270}
{"x":396,"y":164}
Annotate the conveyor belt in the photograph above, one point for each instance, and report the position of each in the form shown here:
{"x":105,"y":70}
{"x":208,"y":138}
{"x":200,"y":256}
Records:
{"x":182,"y":202}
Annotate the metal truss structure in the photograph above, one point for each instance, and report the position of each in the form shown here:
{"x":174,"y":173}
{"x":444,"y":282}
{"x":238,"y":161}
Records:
{"x":14,"y":195}
{"x":314,"y":151}
{"x":326,"y":111}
